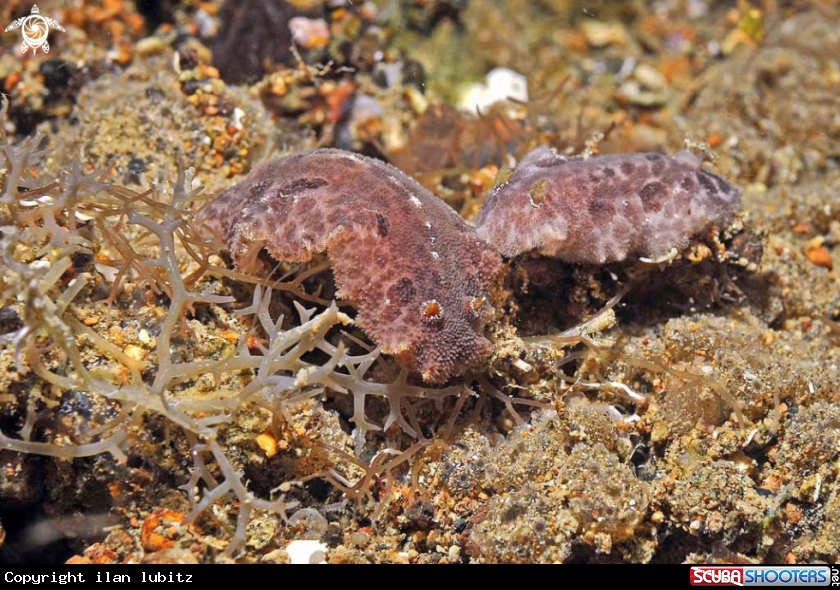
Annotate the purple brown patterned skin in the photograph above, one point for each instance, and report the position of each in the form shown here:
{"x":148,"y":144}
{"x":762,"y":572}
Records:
{"x":413,"y":268}
{"x":604,"y":208}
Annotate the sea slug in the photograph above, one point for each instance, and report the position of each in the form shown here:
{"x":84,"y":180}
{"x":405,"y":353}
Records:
{"x":603,"y":208}
{"x":417,"y":273}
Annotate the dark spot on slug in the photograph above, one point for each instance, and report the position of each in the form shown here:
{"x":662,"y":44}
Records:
{"x":405,"y":290}
{"x":300,"y":185}
{"x":382,"y":225}
{"x":689,"y":184}
{"x":601,"y":211}
{"x":653,"y":195}
{"x":550,"y":161}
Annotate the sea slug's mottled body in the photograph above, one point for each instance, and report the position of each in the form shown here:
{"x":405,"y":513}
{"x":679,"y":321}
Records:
{"x":414,"y":269}
{"x":604,"y":208}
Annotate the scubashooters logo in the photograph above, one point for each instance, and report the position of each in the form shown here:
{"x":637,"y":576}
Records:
{"x":756,"y":575}
{"x":35,"y":29}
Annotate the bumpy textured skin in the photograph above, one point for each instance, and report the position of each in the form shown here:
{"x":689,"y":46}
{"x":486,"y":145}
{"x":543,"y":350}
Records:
{"x":413,"y":268}
{"x":605,"y":208}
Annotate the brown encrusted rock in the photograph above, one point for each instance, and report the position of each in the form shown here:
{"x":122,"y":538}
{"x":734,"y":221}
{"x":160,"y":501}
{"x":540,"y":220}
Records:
{"x":414,"y":269}
{"x":252,"y":37}
{"x":604,"y":208}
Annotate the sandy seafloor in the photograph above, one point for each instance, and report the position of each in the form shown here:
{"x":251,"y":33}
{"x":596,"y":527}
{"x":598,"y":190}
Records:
{"x":702,"y":425}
